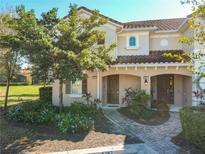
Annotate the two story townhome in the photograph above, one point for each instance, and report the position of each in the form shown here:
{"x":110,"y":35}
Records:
{"x":139,"y":64}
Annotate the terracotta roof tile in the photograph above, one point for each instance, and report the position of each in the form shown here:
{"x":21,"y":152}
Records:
{"x":153,"y":57}
{"x":161,"y":24}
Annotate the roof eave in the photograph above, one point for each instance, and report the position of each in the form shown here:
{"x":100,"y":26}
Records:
{"x":111,"y":21}
{"x":140,"y":29}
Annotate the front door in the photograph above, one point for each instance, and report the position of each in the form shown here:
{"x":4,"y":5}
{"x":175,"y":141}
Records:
{"x":165,"y":88}
{"x":113,"y":89}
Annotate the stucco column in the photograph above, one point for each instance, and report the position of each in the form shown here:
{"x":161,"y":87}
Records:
{"x":146,"y":84}
{"x":98,"y":85}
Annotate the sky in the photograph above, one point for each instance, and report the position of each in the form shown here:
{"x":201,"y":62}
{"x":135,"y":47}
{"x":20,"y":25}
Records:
{"x":121,"y":10}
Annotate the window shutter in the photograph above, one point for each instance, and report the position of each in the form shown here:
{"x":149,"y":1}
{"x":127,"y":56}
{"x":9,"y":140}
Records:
{"x":84,"y":86}
{"x":68,"y":87}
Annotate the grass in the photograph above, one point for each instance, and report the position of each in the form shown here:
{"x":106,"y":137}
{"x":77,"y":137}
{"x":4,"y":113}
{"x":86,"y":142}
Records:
{"x":18,"y":94}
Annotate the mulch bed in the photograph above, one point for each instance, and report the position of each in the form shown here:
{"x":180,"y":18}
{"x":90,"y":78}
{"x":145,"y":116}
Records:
{"x":180,"y":141}
{"x":151,"y":117}
{"x":21,"y":138}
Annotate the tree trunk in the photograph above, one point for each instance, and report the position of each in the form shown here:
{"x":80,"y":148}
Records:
{"x":61,"y":94}
{"x":7,"y":94}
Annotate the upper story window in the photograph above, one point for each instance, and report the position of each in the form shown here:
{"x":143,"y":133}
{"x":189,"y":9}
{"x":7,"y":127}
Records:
{"x":132,"y":42}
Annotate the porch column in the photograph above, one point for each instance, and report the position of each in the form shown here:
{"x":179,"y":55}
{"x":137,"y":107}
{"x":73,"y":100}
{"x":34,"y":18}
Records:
{"x":146,"y":84}
{"x":98,"y":85}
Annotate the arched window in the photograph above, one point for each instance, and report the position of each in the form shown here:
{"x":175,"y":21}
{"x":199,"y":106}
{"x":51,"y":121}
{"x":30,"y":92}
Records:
{"x":132,"y":41}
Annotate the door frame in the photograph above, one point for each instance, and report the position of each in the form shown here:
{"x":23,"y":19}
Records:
{"x":117,"y":90}
{"x":170,"y":89}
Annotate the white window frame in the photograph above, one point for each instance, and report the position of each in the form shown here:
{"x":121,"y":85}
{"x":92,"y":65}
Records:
{"x":136,"y":43}
{"x":75,"y":94}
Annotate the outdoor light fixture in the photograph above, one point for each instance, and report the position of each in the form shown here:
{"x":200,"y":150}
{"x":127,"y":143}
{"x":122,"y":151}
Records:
{"x":146,"y":80}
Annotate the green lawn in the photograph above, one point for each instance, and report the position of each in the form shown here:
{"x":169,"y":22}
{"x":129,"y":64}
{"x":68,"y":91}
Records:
{"x":18,"y":94}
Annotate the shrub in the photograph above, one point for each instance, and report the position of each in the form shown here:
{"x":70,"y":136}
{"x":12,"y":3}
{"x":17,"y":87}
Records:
{"x":193,"y":125}
{"x":45,"y":94}
{"x":137,"y":101}
{"x":81,"y":108}
{"x":73,"y":123}
{"x":162,"y":107}
{"x":74,"y":119}
{"x":34,"y":112}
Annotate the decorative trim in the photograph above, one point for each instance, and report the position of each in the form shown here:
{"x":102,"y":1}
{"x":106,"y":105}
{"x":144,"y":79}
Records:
{"x":151,"y":64}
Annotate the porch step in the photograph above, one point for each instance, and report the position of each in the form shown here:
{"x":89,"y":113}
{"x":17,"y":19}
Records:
{"x":110,"y":106}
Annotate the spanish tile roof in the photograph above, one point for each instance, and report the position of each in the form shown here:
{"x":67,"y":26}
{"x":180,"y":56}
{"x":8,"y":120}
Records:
{"x":153,"y":57}
{"x":161,"y":24}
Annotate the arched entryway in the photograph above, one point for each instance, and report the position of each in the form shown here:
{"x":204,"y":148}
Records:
{"x":113,"y":87}
{"x":173,"y":89}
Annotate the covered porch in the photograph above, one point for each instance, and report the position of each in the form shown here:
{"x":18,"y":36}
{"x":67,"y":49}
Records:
{"x":170,"y":84}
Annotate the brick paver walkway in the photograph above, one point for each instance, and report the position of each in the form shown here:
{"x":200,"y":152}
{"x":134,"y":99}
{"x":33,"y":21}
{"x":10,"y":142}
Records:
{"x":156,"y":137}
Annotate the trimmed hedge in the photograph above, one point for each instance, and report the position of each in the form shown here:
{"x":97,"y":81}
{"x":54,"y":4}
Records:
{"x":193,"y":125}
{"x":45,"y":94}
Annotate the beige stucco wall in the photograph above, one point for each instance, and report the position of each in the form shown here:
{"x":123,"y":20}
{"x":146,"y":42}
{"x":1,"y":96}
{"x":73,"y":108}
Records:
{"x":143,"y":48}
{"x":178,"y":90}
{"x":187,"y":86}
{"x":67,"y":98}
{"x":156,"y":41}
{"x":127,"y":81}
{"x":154,"y":87}
{"x":188,"y":33}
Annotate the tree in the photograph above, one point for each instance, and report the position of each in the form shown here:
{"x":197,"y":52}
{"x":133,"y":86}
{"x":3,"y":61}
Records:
{"x":63,"y":48}
{"x":9,"y":54}
{"x":76,"y":43}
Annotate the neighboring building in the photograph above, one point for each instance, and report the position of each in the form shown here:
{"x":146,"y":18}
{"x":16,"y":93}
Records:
{"x":28,"y":75}
{"x":140,"y":64}
{"x":23,"y":77}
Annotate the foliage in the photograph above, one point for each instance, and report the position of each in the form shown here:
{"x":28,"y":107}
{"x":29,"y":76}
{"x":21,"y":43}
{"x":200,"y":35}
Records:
{"x":9,"y":52}
{"x":73,"y":123}
{"x":45,"y":94}
{"x":65,"y":47}
{"x":162,"y":107}
{"x":199,"y":97}
{"x":87,"y":97}
{"x":193,"y":125}
{"x":35,"y":112}
{"x":137,"y":101}
{"x":80,"y":108}
{"x":74,"y":119}
{"x":196,"y":24}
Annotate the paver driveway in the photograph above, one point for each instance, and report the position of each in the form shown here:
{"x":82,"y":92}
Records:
{"x":156,"y":137}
